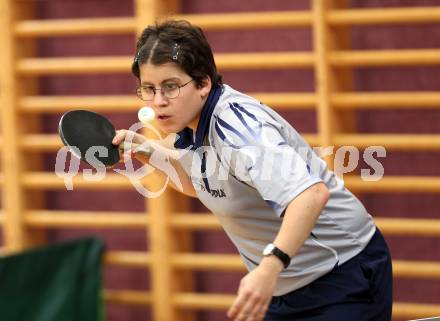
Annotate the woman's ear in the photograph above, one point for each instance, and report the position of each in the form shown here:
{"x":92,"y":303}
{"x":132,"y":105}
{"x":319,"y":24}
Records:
{"x":205,"y":87}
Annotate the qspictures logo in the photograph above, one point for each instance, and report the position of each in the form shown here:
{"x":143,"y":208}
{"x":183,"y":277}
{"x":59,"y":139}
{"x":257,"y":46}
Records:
{"x":246,"y":162}
{"x":67,"y":168}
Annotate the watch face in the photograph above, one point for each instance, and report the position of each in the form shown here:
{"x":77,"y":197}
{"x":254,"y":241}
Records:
{"x":268,"y":249}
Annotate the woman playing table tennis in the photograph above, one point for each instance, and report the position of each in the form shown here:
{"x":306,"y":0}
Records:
{"x":312,"y":250}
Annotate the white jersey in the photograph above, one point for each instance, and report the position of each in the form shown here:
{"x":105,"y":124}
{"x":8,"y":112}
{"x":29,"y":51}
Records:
{"x":248,"y":165}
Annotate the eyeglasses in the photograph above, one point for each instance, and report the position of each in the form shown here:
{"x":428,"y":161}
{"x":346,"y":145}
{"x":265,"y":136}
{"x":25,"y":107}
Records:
{"x":168,"y":90}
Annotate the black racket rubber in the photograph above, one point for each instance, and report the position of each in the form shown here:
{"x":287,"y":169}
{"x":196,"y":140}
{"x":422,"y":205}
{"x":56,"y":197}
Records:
{"x":84,"y":129}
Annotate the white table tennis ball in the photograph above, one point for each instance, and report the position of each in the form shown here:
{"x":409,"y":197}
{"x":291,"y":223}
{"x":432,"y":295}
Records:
{"x":146,"y":115}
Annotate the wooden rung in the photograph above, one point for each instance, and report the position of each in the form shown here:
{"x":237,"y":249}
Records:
{"x":52,"y":142}
{"x":61,"y":104}
{"x":408,"y":226}
{"x":46,"y":180}
{"x":249,"y":20}
{"x":91,"y":65}
{"x":264,"y":60}
{"x":367,"y":58}
{"x":390,"y":141}
{"x":233,"y":262}
{"x":86,"y":65}
{"x":192,"y":261}
{"x":128,"y":297}
{"x":410,"y":184}
{"x":385,"y":100}
{"x":383,"y":16}
{"x":211,"y":262}
{"x":102,"y":26}
{"x":41,"y":142}
{"x":280,"y":100}
{"x":416,"y":270}
{"x":200,"y":221}
{"x":180,"y":221}
{"x":415,"y":310}
{"x":199,"y":301}
{"x":303,"y":101}
{"x":225,"y":21}
{"x":85,"y":219}
{"x":69,"y":27}
{"x":128,"y":258}
{"x":224,"y":301}
{"x":236,"y":61}
{"x":190,"y":221}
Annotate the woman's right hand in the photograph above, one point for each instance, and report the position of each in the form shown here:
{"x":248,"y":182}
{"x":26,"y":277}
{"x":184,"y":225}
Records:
{"x":164,"y":158}
{"x":128,"y":141}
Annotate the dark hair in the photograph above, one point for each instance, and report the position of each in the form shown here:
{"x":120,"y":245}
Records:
{"x":179,"y":42}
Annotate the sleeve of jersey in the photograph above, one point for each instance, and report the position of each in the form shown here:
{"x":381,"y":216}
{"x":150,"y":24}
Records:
{"x":251,"y":146}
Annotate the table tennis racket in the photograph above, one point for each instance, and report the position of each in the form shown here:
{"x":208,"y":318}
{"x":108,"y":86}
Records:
{"x":81,"y":130}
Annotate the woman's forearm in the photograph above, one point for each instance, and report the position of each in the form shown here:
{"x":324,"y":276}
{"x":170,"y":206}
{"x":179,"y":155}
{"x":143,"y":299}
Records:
{"x":161,"y":176}
{"x":299,"y":219}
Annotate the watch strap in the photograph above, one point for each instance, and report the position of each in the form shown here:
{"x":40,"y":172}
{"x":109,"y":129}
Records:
{"x":283,"y":257}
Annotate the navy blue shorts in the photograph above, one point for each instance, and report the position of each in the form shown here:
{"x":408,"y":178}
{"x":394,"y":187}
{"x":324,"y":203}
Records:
{"x":358,"y":290}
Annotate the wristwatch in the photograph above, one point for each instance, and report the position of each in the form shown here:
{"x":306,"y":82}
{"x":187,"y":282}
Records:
{"x":271,"y":249}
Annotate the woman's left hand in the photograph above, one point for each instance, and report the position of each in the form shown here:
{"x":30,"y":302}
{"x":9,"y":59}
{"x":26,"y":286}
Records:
{"x":255,"y":293}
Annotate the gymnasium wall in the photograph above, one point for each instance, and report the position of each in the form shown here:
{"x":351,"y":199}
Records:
{"x":366,"y":79}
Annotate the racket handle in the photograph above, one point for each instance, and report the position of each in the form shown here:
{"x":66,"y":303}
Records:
{"x":143,"y":151}
{"x":139,"y":149}
{"x":171,"y":153}
{"x":147,"y":150}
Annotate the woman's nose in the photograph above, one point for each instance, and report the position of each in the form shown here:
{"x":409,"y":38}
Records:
{"x":159,"y":99}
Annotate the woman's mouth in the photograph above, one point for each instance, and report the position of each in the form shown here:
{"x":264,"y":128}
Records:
{"x":163,"y":117}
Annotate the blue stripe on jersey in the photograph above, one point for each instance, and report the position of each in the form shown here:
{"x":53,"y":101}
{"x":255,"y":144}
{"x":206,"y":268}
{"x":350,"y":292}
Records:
{"x":243,"y":110}
{"x":223,"y":136}
{"x":203,"y":170}
{"x":239,"y":111}
{"x":225,"y":125}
